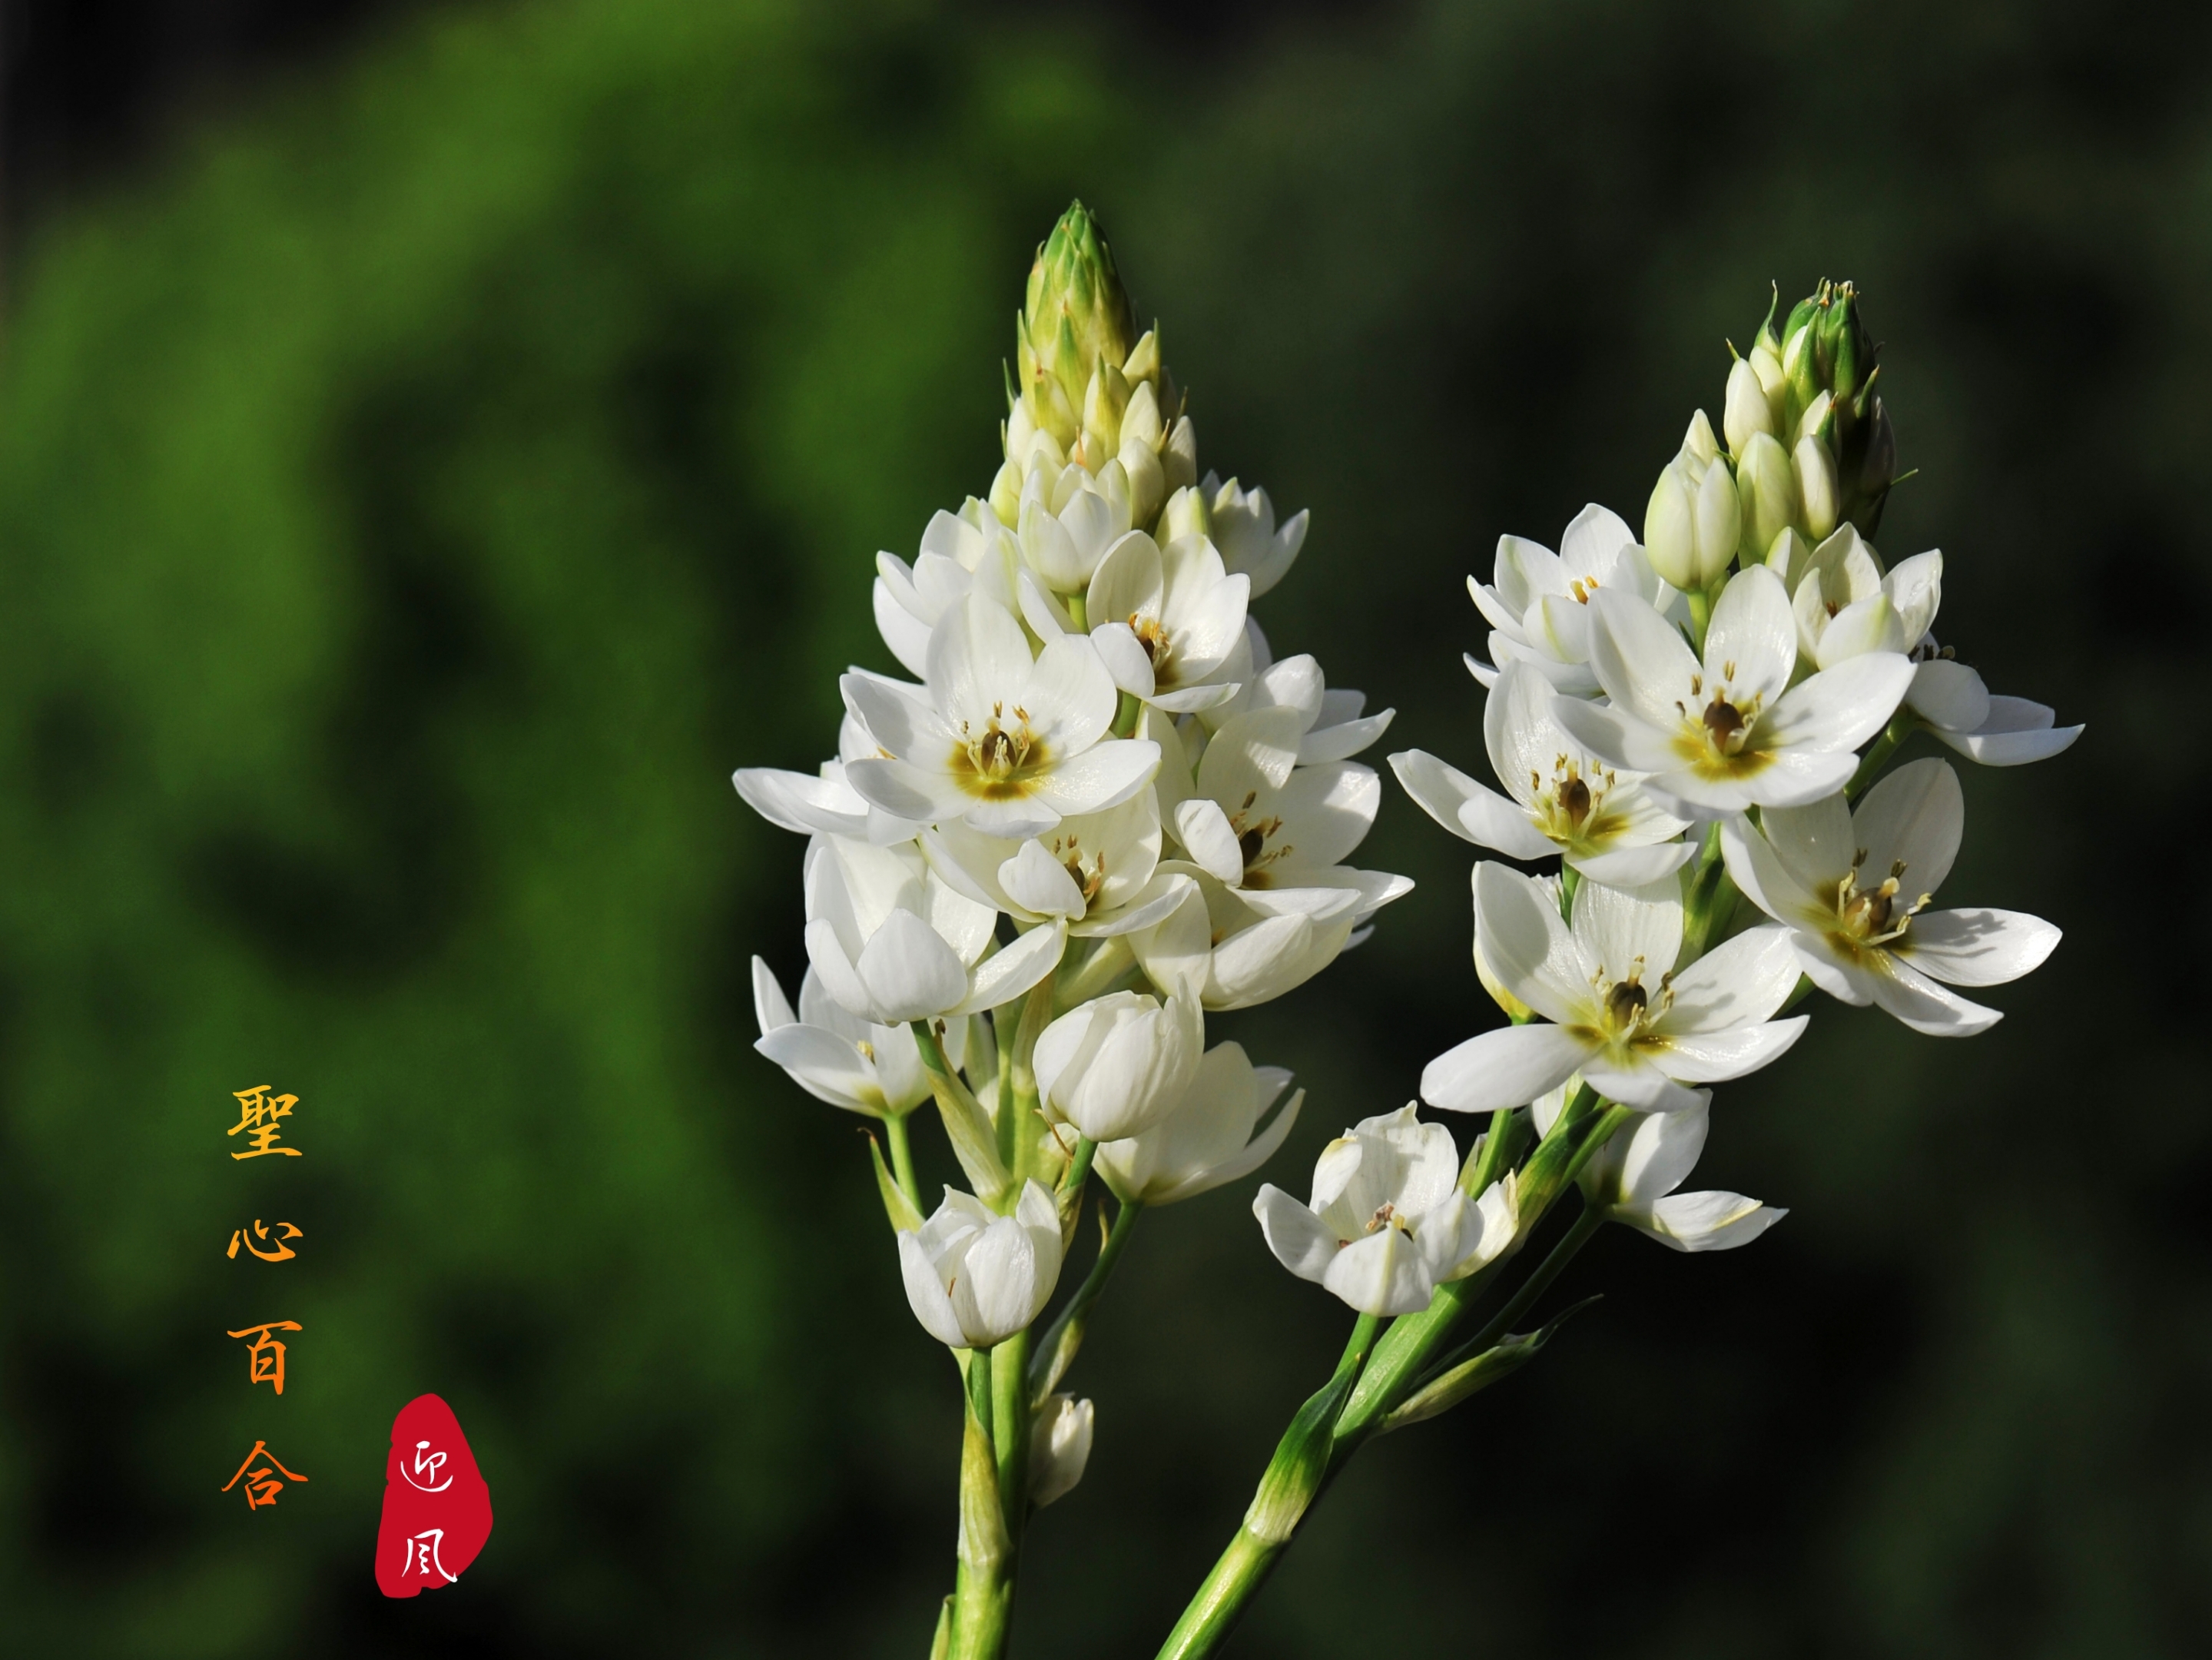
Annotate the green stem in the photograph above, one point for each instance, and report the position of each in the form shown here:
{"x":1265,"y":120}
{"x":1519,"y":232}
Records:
{"x":966,"y":1124}
{"x":1079,"y":610}
{"x":1571,"y":881}
{"x":1701,"y":616}
{"x":1585,"y":1228}
{"x":983,"y":1593}
{"x":1711,"y":903}
{"x":903,"y":1158}
{"x":1294,"y":1478}
{"x":1010,"y":1436}
{"x":1901,"y":726}
{"x":1016,"y":1147}
{"x":1056,"y":1351}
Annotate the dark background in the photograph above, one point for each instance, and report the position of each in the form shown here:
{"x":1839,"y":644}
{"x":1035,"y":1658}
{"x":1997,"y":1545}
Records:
{"x":438,"y":442}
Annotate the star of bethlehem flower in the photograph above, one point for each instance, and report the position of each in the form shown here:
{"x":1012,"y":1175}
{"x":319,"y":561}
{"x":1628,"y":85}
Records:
{"x":970,"y":552}
{"x":1244,"y":528}
{"x":1564,"y":800}
{"x":1007,"y":743}
{"x":1731,"y":732}
{"x":824,"y":804}
{"x":1332,"y":726}
{"x":1638,"y":1031}
{"x":1537,"y":604}
{"x":837,"y":1057}
{"x":1168,"y":626}
{"x":893,"y":943}
{"x":1959,"y":710}
{"x":1387,"y":1222}
{"x":1846,"y":605}
{"x":1633,"y":1177}
{"x":1207,"y":1138}
{"x":974,"y":1277}
{"x":1119,"y":1063}
{"x":1098,"y":872}
{"x":1852,"y":888}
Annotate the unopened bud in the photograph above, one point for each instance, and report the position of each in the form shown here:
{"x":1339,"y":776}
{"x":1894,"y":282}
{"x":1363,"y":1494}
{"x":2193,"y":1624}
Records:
{"x":1747,"y":410}
{"x":1059,"y":1448}
{"x":1787,"y":556}
{"x":1814,"y":470}
{"x":1720,"y":522}
{"x":1768,"y":494}
{"x":1698,"y":441}
{"x":1670,"y":526}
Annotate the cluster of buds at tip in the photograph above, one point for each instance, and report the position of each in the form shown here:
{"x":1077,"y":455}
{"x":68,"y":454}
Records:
{"x":1810,"y":391}
{"x":1085,"y":388}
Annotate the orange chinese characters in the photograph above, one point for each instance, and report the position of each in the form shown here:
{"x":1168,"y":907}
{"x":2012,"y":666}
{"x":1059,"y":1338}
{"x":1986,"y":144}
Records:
{"x":257,"y":1113}
{"x":265,"y":1361}
{"x":262,"y":1485}
{"x":282,"y":1253}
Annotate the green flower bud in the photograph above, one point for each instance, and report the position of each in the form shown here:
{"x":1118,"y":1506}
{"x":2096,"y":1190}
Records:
{"x":1828,"y":374}
{"x":1670,"y":526}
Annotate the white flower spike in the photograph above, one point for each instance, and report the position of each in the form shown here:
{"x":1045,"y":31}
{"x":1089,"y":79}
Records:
{"x":1731,"y":732}
{"x":1387,"y":1223}
{"x":1637,"y":1030}
{"x":1852,"y":888}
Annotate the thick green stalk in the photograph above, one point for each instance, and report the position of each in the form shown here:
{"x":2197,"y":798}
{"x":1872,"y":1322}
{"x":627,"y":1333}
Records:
{"x":1294,"y":1477}
{"x":1019,"y":1120}
{"x":1010,"y":1437}
{"x":983,"y":1593}
{"x":1056,"y":1351}
{"x":903,"y":1158}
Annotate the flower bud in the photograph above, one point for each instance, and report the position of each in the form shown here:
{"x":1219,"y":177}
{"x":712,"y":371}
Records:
{"x":1829,"y":374}
{"x":1060,"y":1447}
{"x":1747,"y":410}
{"x":1814,"y":470}
{"x":1720,"y":522}
{"x":1670,"y":526}
{"x":1119,"y":1063}
{"x":1697,"y":442}
{"x":1768,"y":494}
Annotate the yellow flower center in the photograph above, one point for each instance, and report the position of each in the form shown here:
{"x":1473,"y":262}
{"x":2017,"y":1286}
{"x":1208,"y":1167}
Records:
{"x":998,"y":762}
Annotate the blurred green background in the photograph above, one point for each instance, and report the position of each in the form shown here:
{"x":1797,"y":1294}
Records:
{"x":422,"y":482}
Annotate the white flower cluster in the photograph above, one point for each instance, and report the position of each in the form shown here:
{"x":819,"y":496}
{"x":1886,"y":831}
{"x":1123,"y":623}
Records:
{"x":1702,"y":716}
{"x":1101,"y":809}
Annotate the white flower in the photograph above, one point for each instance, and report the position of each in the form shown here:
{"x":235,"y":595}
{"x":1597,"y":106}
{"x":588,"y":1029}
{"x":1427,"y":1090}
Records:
{"x":1997,"y":731}
{"x":1206,"y":1140}
{"x":892,"y":943}
{"x":1538,"y":605}
{"x":1010,"y":744}
{"x":837,"y":1057}
{"x":1564,"y":801}
{"x":1634,"y":1177}
{"x":1068,"y":519}
{"x":1331,"y":725}
{"x":1845,"y":606}
{"x":1851,"y":887}
{"x":970,"y":551}
{"x":1387,"y":1222}
{"x":1259,"y":822}
{"x":1638,"y":1030}
{"x":1220,"y":945}
{"x":1167,"y":625}
{"x":825,"y":804}
{"x":1059,"y":1448}
{"x":1098,"y":872}
{"x":1729,"y":733}
{"x":975,"y":1279}
{"x":1119,"y":1063}
{"x":1244,"y":527}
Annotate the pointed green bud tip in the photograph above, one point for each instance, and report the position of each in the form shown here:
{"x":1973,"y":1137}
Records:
{"x":1076,"y":308}
{"x":1825,"y":387}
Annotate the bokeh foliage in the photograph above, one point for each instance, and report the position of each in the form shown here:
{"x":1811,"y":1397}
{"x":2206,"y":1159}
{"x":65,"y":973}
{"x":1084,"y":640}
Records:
{"x":416,"y":495}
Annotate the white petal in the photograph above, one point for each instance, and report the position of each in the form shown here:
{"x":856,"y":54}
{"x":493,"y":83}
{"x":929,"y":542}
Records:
{"x":1126,"y":659}
{"x":1068,"y":697}
{"x":979,"y":658}
{"x":1343,"y":740}
{"x":1914,"y":817}
{"x":1644,"y":665}
{"x":1633,"y":868}
{"x":1617,"y":737}
{"x":1496,"y":1070}
{"x":1714,"y":1057}
{"x":904,"y":632}
{"x":1628,"y":930}
{"x":1528,"y":947}
{"x":925,"y":1295}
{"x":1754,"y":868}
{"x":909,"y":971}
{"x":838,"y":976}
{"x":1104,"y":776}
{"x":1636,"y":1084}
{"x":1001,"y":978}
{"x":1040,"y":884}
{"x":1382,"y":1273}
{"x":1294,"y":1233}
{"x":900,"y":718}
{"x":1702,"y":1221}
{"x":770,"y":1008}
{"x":1949,"y":695}
{"x":1978,"y":947}
{"x":1838,"y":708}
{"x":1816,"y":844}
{"x":1740,"y":981}
{"x":827,"y":1066}
{"x":1752,"y":642}
{"x":1902,"y":990}
{"x":1203,"y":829}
